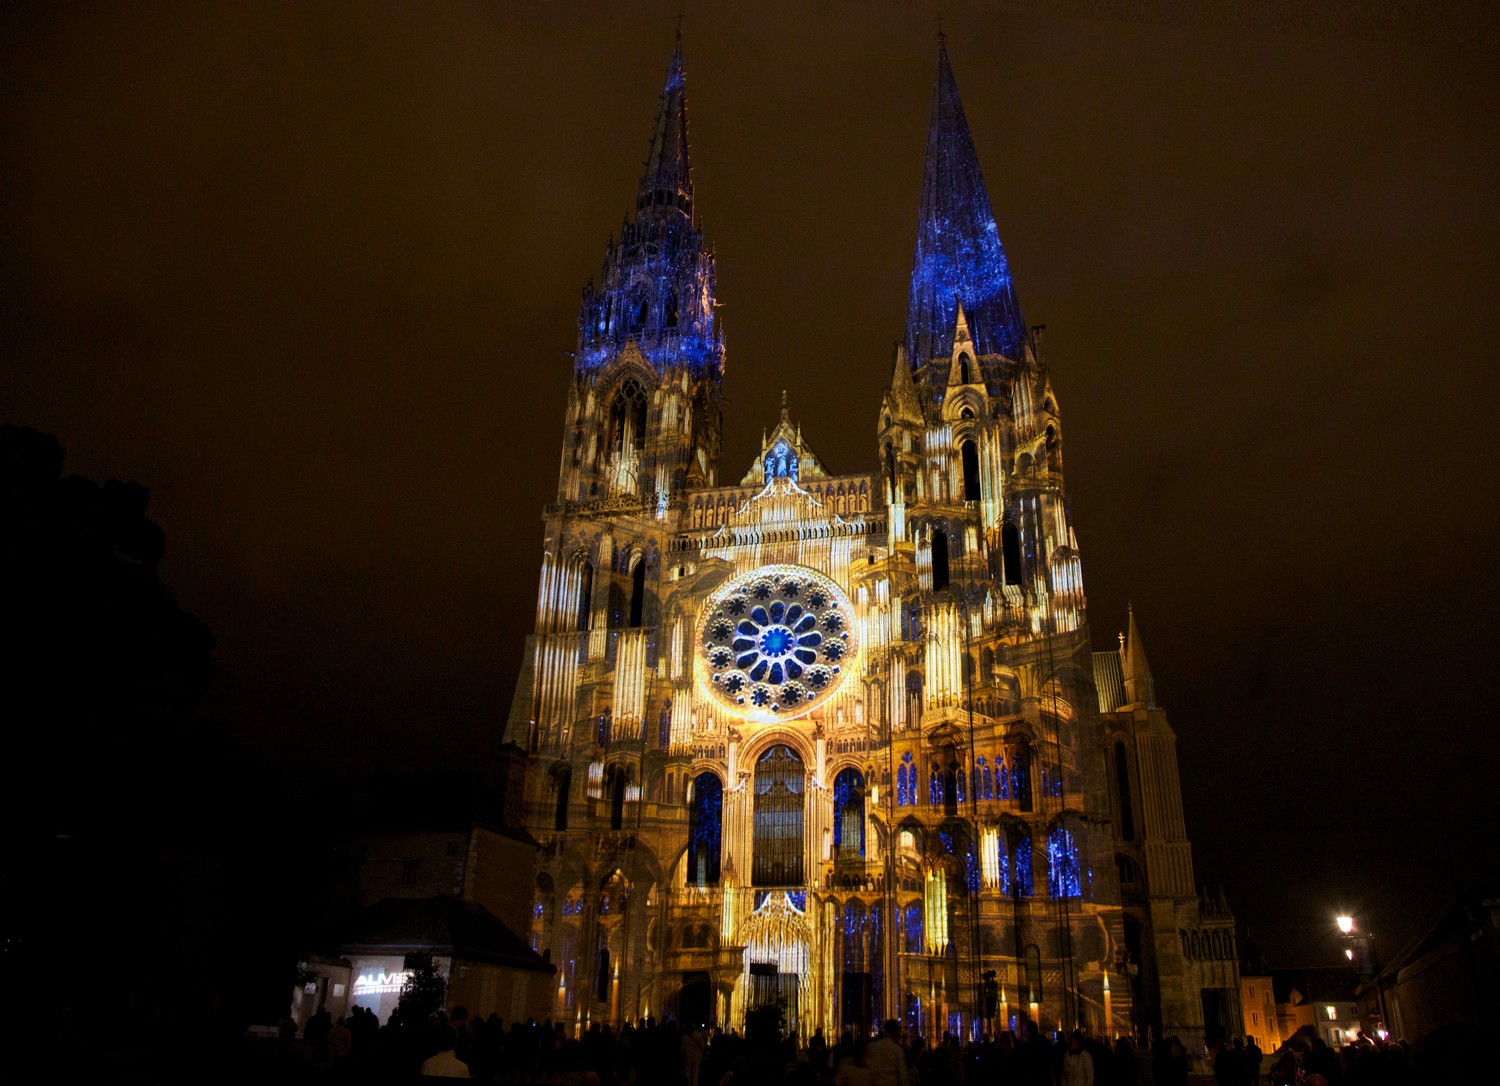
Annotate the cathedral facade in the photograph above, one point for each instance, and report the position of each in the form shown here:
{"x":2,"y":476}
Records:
{"x":839,"y":744}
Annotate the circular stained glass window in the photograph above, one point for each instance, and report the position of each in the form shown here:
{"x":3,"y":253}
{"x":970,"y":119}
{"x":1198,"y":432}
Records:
{"x":776,"y":642}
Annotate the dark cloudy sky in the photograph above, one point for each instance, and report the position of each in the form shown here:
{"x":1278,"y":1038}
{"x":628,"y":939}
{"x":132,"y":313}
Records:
{"x":311,"y":272}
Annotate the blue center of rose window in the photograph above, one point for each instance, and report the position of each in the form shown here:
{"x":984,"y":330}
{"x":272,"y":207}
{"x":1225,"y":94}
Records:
{"x":777,"y":641}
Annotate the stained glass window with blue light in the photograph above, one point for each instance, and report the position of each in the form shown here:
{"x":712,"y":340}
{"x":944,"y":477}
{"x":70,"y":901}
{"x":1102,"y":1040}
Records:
{"x":1062,"y":865}
{"x":705,"y":830}
{"x":914,"y":928}
{"x":1023,"y":881}
{"x":849,"y":813}
{"x":905,"y":784}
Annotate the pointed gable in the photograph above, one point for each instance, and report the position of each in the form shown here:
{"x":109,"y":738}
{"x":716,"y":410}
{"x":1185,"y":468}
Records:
{"x":784,"y":455}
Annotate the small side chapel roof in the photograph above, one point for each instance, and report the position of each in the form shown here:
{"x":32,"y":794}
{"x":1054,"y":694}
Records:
{"x":808,"y":464}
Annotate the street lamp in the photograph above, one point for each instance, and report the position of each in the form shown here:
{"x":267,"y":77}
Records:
{"x":1371,"y":962}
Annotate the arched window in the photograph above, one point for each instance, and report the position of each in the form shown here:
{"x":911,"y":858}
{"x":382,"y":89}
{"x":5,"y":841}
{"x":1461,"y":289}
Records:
{"x":913,"y":698}
{"x":939,"y":560}
{"x":849,"y":814}
{"x":671,"y":320}
{"x":1125,"y":866}
{"x":664,"y":726}
{"x":1020,"y":776}
{"x":585,"y":596}
{"x":963,"y":369}
{"x":970,"y":457}
{"x":564,"y":780}
{"x":1010,"y":544}
{"x":705,"y":830}
{"x":1021,"y":877}
{"x":1033,"y":975}
{"x":914,"y":928}
{"x":627,"y":416}
{"x":638,"y":591}
{"x":603,"y":728}
{"x":1122,"y":789}
{"x":906,"y":781}
{"x":934,"y":784}
{"x":1062,"y":865}
{"x":617,"y":798}
{"x":984,"y":782}
{"x":777,"y":838}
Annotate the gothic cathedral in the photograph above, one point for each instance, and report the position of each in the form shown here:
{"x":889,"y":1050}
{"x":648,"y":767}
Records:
{"x":839,"y":743}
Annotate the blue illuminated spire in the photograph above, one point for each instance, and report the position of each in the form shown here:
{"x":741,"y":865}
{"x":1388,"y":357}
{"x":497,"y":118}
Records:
{"x":667,"y":179}
{"x":656,"y":288}
{"x":959,"y":258}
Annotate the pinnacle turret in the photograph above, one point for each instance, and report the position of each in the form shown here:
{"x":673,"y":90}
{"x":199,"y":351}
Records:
{"x":959,"y":258}
{"x":1140,"y":688}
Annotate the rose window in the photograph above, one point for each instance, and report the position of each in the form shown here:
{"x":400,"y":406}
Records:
{"x":774,"y":643}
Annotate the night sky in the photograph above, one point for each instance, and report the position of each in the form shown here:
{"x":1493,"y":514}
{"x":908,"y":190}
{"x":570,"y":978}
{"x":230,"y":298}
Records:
{"x":311,"y":272}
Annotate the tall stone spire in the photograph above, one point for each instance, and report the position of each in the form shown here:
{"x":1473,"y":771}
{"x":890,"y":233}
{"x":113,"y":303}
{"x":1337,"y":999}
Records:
{"x":656,"y":288}
{"x":1140,"y":688}
{"x":667,"y":178}
{"x":959,"y":258}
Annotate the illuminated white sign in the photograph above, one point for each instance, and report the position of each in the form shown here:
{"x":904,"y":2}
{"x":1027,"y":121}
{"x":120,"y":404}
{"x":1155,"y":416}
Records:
{"x":380,"y":983}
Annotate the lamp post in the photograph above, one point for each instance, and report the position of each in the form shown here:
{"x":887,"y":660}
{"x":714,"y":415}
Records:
{"x":1347,"y":928}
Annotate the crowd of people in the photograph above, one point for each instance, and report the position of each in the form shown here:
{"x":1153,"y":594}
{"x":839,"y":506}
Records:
{"x":489,"y":1049}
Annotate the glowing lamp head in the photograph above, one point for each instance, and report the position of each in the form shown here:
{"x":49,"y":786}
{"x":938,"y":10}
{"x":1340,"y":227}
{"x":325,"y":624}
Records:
{"x":1346,"y":924}
{"x":1349,"y":953}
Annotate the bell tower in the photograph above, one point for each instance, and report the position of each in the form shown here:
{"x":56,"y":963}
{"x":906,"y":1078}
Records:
{"x":643,"y":409}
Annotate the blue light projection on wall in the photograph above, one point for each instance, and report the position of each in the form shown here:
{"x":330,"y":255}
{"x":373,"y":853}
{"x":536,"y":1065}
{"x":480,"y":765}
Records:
{"x":1062,"y":865}
{"x":972,"y":874}
{"x":781,"y":462}
{"x":914,"y":928}
{"x":959,"y":257}
{"x":1023,"y":882}
{"x":705,"y":830}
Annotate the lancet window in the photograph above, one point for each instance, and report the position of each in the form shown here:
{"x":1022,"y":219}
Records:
{"x":705,"y":830}
{"x":777,"y":838}
{"x":939,"y":561}
{"x":627,"y":416}
{"x":849,"y":814}
{"x":1021,"y":873}
{"x":1062,"y":865}
{"x":906,"y":781}
{"x":969,"y":456}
